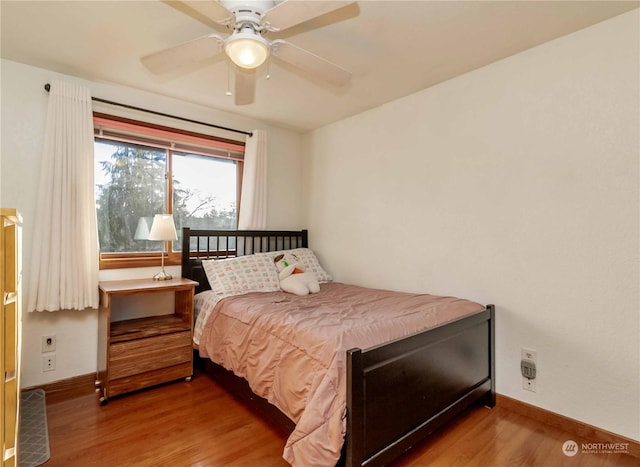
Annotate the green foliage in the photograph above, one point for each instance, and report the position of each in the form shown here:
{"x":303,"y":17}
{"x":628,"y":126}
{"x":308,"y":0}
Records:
{"x":134,"y":190}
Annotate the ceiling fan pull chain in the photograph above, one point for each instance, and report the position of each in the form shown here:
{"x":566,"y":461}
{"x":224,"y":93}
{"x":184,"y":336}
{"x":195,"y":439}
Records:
{"x":228,"y":93}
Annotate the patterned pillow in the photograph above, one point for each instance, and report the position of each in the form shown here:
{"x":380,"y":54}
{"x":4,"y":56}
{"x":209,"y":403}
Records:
{"x":308,"y":261}
{"x":238,"y":276}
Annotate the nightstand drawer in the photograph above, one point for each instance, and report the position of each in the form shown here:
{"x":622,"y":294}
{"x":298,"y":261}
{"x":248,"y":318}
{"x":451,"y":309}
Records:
{"x":150,"y":378}
{"x":148,"y":354}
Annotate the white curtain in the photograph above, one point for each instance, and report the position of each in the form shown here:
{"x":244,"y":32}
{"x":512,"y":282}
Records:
{"x":253,"y":199}
{"x":64,"y":255}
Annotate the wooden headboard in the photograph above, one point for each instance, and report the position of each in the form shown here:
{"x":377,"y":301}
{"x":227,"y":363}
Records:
{"x":219,"y":244}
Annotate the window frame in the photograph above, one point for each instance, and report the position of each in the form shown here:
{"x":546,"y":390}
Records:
{"x":190,"y":142}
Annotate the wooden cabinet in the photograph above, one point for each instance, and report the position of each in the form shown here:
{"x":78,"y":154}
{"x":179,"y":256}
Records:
{"x":136,"y":353}
{"x":10,"y":333}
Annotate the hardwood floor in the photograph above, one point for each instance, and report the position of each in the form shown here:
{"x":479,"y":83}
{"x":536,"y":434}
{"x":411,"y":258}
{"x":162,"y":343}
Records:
{"x":199,"y":424}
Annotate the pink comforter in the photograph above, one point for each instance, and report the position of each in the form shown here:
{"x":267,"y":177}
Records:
{"x":292,"y":351}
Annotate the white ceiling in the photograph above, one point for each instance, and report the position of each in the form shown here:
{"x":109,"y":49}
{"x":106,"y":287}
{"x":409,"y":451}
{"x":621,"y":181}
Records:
{"x":393,"y":48}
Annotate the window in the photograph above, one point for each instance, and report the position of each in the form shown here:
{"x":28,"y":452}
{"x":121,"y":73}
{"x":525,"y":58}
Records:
{"x":142,"y":170}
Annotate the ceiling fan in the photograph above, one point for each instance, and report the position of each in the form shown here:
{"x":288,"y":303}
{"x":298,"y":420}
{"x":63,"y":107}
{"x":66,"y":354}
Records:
{"x":249,"y":21}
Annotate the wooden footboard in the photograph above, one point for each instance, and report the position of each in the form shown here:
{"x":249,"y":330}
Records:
{"x":400,"y":392}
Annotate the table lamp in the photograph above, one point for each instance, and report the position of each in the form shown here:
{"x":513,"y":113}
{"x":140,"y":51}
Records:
{"x":163,"y":229}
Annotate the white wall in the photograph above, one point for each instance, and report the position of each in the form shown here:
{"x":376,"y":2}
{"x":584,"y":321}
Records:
{"x":516,"y":184}
{"x":24,"y":108}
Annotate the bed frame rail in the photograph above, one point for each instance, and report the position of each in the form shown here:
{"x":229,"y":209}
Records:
{"x":441,"y":371}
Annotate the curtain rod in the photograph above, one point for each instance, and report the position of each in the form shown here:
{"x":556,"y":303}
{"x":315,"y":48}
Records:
{"x":47,"y":87}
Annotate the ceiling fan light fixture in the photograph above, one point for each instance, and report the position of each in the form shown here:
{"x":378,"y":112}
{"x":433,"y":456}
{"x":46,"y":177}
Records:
{"x":247,"y":49}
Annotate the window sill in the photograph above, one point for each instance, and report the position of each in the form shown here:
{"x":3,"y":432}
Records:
{"x":137,"y":262}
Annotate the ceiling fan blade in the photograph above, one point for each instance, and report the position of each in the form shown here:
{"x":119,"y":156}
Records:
{"x":245,"y":86}
{"x":289,"y":13}
{"x":212,"y":10}
{"x":310,"y":62}
{"x":183,"y":54}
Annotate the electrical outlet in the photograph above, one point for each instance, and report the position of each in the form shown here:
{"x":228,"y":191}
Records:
{"x":49,"y":362}
{"x":48,"y":343}
{"x":529,"y":384}
{"x":529,"y":367}
{"x":528,"y":354}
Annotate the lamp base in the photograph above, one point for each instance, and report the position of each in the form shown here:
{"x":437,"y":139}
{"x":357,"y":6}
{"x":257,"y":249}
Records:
{"x":162,"y":276}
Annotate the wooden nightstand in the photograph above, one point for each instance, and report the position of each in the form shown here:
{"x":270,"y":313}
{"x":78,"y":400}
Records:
{"x":141,"y":352}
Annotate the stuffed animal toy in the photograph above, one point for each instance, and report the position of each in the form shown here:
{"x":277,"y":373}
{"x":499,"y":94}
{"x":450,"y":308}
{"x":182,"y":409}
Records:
{"x":292,"y":277}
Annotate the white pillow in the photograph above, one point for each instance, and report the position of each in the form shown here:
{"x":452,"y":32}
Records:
{"x":308,"y":261}
{"x":237,"y":276}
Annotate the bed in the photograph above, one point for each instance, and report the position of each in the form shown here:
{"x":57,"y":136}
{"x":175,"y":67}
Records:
{"x":396,"y":392}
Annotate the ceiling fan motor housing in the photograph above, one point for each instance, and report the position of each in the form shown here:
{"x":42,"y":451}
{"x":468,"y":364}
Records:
{"x":248,"y":12}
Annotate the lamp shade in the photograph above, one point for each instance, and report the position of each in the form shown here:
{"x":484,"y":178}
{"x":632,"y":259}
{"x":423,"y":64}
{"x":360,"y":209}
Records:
{"x":163,"y":228}
{"x":142,"y":230}
{"x":247,"y":49}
